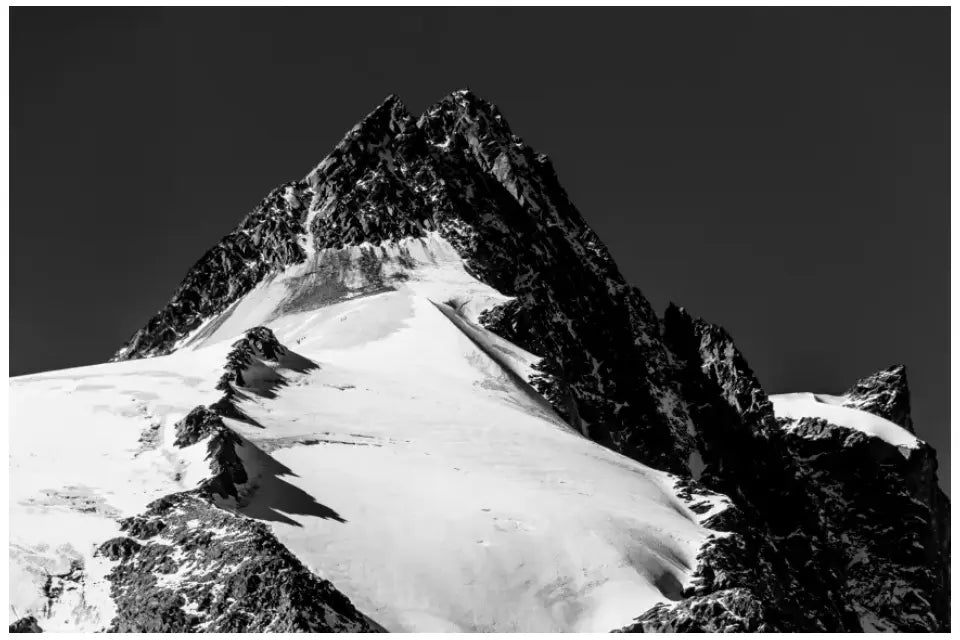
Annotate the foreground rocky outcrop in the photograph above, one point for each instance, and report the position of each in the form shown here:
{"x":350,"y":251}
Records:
{"x":232,"y":575}
{"x":231,"y":572}
{"x":27,"y":624}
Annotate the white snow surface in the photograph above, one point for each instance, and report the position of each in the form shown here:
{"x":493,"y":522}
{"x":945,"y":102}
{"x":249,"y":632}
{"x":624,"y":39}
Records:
{"x":413,"y":468}
{"x":829,"y":408}
{"x":88,"y":446}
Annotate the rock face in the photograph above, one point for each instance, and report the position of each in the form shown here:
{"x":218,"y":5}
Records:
{"x":859,"y":530}
{"x":233,"y":576}
{"x":747,"y":576}
{"x":828,"y":529}
{"x":887,"y":520}
{"x":26,"y":625}
{"x":884,"y":394}
{"x":266,"y":239}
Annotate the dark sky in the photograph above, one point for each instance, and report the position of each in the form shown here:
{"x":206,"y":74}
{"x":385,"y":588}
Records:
{"x":782,"y":172}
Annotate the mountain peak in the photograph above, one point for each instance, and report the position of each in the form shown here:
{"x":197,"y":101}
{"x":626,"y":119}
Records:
{"x":388,"y":118}
{"x":469,"y":97}
{"x":885,"y":393}
{"x":392,"y":104}
{"x":426,"y":336}
{"x":359,"y":147}
{"x":392,"y":111}
{"x":465,"y":113}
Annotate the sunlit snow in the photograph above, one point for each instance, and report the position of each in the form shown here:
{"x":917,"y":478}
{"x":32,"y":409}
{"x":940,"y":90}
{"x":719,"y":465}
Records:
{"x":828,"y":407}
{"x":413,"y":468}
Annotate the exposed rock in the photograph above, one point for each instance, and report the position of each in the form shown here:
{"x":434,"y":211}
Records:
{"x":843,"y":520}
{"x":225,"y":464}
{"x":726,"y":611}
{"x":200,"y":423}
{"x":119,"y":548}
{"x":266,"y":239}
{"x":27,"y":624}
{"x":252,"y":367}
{"x":257,"y":343}
{"x":232,"y":576}
{"x":885,"y":394}
{"x":888,"y":520}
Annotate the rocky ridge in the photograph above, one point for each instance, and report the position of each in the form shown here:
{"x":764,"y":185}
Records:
{"x":232,"y":575}
{"x":231,"y":572}
{"x":834,"y":530}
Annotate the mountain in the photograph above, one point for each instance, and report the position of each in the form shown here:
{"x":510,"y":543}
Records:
{"x":412,"y":392}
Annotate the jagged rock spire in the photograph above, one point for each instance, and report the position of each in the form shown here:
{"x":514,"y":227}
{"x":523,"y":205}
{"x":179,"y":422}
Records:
{"x":885,"y":394}
{"x":374,"y":131}
{"x":720,"y":361}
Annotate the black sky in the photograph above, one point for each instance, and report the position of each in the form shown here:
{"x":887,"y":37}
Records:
{"x":782,"y":172}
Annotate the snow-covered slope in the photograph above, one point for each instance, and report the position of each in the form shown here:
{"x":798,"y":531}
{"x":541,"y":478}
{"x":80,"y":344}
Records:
{"x":413,"y":467}
{"x":87,"y":447}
